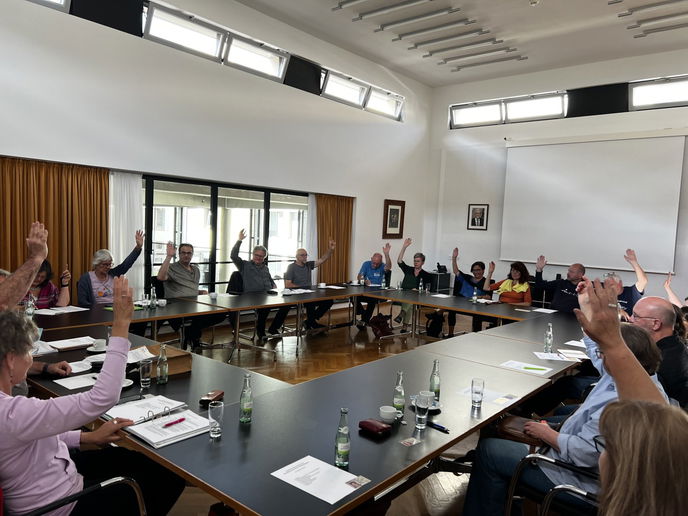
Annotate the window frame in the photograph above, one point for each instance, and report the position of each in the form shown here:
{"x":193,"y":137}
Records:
{"x":661,"y":105}
{"x":225,"y":57}
{"x":401,"y":101}
{"x":64,"y":7}
{"x":499,"y":103}
{"x":563,"y":97}
{"x":331,"y":73}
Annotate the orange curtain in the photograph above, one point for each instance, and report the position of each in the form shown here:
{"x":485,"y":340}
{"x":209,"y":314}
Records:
{"x":72,"y":202}
{"x":335,"y":218}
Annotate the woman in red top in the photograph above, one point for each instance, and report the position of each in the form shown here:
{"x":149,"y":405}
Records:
{"x":44,"y":292}
{"x":515,"y":288}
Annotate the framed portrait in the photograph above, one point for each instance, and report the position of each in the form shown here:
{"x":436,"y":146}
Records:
{"x":393,"y":223}
{"x":477,"y":216}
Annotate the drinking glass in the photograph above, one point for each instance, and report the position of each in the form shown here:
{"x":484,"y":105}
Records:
{"x":216,"y":410}
{"x":145,"y":369}
{"x":477,"y":391}
{"x":423,"y":402}
{"x":145,"y":302}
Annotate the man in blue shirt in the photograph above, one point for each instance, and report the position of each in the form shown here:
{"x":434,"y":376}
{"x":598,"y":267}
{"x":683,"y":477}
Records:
{"x":496,"y":459}
{"x":373,"y":273}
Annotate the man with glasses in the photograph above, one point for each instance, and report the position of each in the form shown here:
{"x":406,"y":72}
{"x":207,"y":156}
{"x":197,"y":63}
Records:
{"x":564,"y":296}
{"x":372,"y":272}
{"x":256,"y":278}
{"x":657,"y":316}
{"x":465,"y":284}
{"x":298,"y":275}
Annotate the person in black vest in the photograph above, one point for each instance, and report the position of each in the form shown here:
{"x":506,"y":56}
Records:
{"x":564,"y":294}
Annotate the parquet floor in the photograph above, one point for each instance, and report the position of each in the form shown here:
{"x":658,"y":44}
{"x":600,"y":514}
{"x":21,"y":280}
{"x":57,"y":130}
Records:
{"x":324,"y":354}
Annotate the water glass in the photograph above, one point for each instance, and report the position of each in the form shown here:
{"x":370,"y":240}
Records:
{"x":145,"y":370}
{"x":145,"y":302}
{"x":424,"y":401}
{"x":216,"y":410}
{"x":477,"y":392}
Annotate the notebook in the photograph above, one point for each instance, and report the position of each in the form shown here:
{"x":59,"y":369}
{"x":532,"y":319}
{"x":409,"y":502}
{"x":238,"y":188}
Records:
{"x":145,"y":409}
{"x":170,"y":429}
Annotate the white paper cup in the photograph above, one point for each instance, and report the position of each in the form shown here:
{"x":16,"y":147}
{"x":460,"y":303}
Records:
{"x":213,"y":295}
{"x":321,"y":285}
{"x":162,"y":302}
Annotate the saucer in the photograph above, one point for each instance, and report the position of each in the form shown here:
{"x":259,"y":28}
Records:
{"x":95,"y":359}
{"x":91,"y":349}
{"x":435,"y":407}
{"x":81,"y":366}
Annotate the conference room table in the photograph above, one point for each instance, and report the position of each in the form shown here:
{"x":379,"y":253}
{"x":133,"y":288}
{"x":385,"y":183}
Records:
{"x":565,"y":327}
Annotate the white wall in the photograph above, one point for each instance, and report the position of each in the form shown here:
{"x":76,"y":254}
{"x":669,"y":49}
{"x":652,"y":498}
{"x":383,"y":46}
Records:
{"x":472,"y":162}
{"x":74,"y":91}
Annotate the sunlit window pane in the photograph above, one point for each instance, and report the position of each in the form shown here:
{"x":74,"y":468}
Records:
{"x":545,"y":107}
{"x":186,"y":33}
{"x":345,"y":89}
{"x":653,"y":94}
{"x":256,"y":58}
{"x":384,"y":103}
{"x":476,"y":115}
{"x":60,"y":5}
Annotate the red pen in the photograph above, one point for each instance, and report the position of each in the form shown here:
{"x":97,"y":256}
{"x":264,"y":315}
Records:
{"x":180,"y":420}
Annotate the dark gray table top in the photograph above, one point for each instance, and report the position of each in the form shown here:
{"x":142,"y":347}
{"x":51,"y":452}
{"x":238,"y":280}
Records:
{"x":565,"y":327}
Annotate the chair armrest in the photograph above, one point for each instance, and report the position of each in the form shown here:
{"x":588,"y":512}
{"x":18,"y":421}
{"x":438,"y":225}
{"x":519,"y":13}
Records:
{"x":566,"y":488}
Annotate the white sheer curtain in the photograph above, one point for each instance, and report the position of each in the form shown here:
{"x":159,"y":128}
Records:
{"x":126,"y":216}
{"x":311,"y":243}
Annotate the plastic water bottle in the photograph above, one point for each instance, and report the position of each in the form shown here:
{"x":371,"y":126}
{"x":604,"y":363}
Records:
{"x":420,"y":286}
{"x":474,"y":298}
{"x":342,"y":442}
{"x":162,"y":367}
{"x":549,"y":339}
{"x":30,"y":306}
{"x":246,"y":400}
{"x":399,"y":400}
{"x":435,"y":380}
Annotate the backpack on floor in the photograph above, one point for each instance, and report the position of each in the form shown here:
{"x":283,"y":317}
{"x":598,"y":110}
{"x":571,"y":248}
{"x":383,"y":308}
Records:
{"x":380,"y":325}
{"x":434,"y":324}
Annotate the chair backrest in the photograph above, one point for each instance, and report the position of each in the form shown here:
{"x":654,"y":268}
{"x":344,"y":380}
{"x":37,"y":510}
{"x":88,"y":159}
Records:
{"x":236,"y":283}
{"x":388,"y":277}
{"x":159,"y":287}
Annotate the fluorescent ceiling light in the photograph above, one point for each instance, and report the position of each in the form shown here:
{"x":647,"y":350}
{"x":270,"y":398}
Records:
{"x":657,"y":19}
{"x":389,"y":9}
{"x":647,"y":32}
{"x":436,"y":28}
{"x":184,"y":32}
{"x":415,"y":19}
{"x":493,"y":61}
{"x":347,"y":3}
{"x":659,"y":93}
{"x":476,"y":115}
{"x":648,"y":7}
{"x":444,"y":39}
{"x":475,"y":44}
{"x":475,"y":54}
{"x":543,"y":107}
{"x":384,"y":103}
{"x":345,"y":89}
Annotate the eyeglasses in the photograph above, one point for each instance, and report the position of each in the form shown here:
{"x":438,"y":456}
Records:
{"x":599,"y":443}
{"x":259,"y":255}
{"x":105,"y":264}
{"x":636,"y":316}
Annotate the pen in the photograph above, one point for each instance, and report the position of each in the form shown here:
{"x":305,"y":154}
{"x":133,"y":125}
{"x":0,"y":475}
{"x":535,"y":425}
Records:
{"x":180,"y":420}
{"x":438,"y":427}
{"x":535,"y":368}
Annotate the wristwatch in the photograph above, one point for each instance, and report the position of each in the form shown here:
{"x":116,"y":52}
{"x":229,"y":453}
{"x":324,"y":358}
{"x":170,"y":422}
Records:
{"x":45,"y":368}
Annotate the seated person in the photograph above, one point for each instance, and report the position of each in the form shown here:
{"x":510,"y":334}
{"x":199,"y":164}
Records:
{"x":182,"y":279}
{"x":298,"y":275}
{"x":629,"y":296}
{"x":256,"y":277}
{"x":44,"y":291}
{"x":14,"y":287}
{"x":515,"y":289}
{"x":39,"y":457}
{"x":95,"y":287}
{"x":565,"y":298}
{"x":372,"y":272}
{"x":41,"y":368}
{"x":574,"y":443}
{"x":465,"y":284}
{"x":412,"y":278}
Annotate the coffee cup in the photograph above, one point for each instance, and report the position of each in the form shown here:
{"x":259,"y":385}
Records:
{"x":213,"y":295}
{"x":321,"y":285}
{"x":162,"y":302}
{"x":388,"y":414}
{"x":99,"y":344}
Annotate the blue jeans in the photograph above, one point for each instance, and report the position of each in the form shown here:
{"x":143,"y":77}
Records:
{"x":495,"y":463}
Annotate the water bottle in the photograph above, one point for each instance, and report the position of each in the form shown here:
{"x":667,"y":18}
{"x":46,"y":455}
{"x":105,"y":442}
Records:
{"x":30,"y":306}
{"x":474,"y":298}
{"x":342,"y":443}
{"x":549,"y":339}
{"x":162,"y":367}
{"x":435,"y":380}
{"x":399,"y":400}
{"x":420,"y":285}
{"x":246,"y":400}
{"x":153,"y":299}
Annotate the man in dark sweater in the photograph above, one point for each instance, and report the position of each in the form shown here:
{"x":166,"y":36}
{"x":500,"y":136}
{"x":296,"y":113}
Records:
{"x":564,"y":297}
{"x":658,"y":317}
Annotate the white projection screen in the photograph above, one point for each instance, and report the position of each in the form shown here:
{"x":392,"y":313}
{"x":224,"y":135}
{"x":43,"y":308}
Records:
{"x":589,"y":202}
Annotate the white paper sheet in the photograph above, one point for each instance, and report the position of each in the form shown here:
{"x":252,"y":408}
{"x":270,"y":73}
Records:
{"x":45,"y":311}
{"x":577,"y":343}
{"x":75,"y":343}
{"x":335,"y":287}
{"x":158,"y":435}
{"x":68,"y":309}
{"x":522,"y":310}
{"x":138,"y":354}
{"x":544,"y":310}
{"x":573,"y":353}
{"x":296,"y":291}
{"x":498,"y":398}
{"x":441,"y":295}
{"x":41,"y":348}
{"x":486,"y":301}
{"x":77,"y":382}
{"x":145,"y":409}
{"x":227,"y":295}
{"x":525,"y":367}
{"x":317,"y":478}
{"x":552,"y":356}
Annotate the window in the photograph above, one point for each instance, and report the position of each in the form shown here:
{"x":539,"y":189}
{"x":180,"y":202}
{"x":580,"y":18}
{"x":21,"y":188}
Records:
{"x":288,"y":226}
{"x":183,"y":32}
{"x":468,"y":115}
{"x":344,"y":89}
{"x":660,"y":93}
{"x":385,"y":103}
{"x":60,"y":5}
{"x":256,"y":58}
{"x":536,"y":108}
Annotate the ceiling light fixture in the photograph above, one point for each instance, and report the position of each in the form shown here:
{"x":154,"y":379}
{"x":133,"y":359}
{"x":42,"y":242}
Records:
{"x":414,"y":19}
{"x":389,"y":9}
{"x":475,"y":54}
{"x":648,"y":7}
{"x":347,"y":3}
{"x":647,"y":32}
{"x":436,"y":28}
{"x":444,"y":39}
{"x":464,"y":46}
{"x":657,"y":19}
{"x":493,"y":61}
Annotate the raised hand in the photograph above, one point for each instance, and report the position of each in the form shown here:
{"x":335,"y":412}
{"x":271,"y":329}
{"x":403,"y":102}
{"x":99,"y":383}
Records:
{"x":407,"y":242}
{"x":66,"y":276}
{"x":598,"y":313}
{"x":491,"y":268}
{"x":122,"y":301}
{"x":37,"y":241}
{"x":667,"y":282}
{"x":333,"y":244}
{"x":455,"y":253}
{"x":171,"y":250}
{"x":139,"y":236}
{"x":242,"y":234}
{"x":630,"y":257}
{"x":540,"y":263}
{"x":387,"y":248}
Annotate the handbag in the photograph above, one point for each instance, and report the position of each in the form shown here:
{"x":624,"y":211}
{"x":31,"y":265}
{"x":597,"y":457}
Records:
{"x":510,"y":427}
{"x":374,"y":428}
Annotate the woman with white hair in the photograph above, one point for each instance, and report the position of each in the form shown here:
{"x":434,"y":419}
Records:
{"x":96,"y":286}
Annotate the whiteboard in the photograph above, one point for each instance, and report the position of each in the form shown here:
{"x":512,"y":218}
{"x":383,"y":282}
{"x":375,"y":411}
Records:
{"x":589,"y":202}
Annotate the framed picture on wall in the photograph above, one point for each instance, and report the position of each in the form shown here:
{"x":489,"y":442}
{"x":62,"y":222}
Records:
{"x":477,"y":216}
{"x":393,"y":223}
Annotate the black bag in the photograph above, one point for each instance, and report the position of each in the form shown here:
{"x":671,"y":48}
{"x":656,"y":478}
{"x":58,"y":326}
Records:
{"x":380,"y":325}
{"x":434,"y":324}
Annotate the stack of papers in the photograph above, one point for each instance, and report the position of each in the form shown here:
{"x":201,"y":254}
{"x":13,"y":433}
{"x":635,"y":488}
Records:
{"x":525,"y":367}
{"x":335,"y":287}
{"x":145,"y":409}
{"x":441,"y":295}
{"x":41,"y":348}
{"x":170,"y":429}
{"x":487,"y":301}
{"x":294,"y":291}
{"x":544,"y":310}
{"x":59,"y":310}
{"x":573,"y":354}
{"x":553,"y":356}
{"x":75,"y":343}
{"x":136,"y":355}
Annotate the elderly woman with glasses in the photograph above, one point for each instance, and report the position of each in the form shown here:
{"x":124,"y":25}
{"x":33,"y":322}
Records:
{"x":95,"y":287}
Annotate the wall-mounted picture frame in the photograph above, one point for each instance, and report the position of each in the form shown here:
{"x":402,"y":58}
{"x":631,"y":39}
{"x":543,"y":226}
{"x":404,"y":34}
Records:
{"x":393,"y":222}
{"x":477,"y":216}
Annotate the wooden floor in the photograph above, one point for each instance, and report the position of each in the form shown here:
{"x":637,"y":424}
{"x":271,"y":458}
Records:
{"x":324,"y":354}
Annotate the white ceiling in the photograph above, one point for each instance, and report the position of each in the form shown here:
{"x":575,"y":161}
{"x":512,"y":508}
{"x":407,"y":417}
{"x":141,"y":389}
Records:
{"x":551,"y":34}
